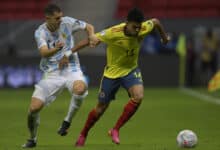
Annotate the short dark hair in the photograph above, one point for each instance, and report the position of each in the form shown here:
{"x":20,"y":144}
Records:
{"x":135,"y":15}
{"x":51,"y":8}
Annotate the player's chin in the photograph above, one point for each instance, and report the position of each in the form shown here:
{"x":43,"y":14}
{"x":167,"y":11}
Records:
{"x":135,"y":34}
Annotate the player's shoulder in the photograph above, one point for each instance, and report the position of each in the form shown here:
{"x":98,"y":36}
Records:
{"x":41,"y":29}
{"x":67,"y":19}
{"x":72,"y":21}
{"x":117,"y":28}
{"x":147,"y":24}
{"x":112,"y":30}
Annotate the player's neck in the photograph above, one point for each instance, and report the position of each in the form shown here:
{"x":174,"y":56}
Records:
{"x":126,"y":33}
{"x":51,"y":28}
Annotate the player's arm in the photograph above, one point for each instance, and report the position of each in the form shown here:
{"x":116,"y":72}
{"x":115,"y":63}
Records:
{"x":64,"y":61}
{"x":93,"y":40}
{"x":46,"y":52}
{"x":90,"y":30}
{"x":82,"y":44}
{"x":160,"y":28}
{"x":99,"y":37}
{"x":42,"y":44}
{"x":103,"y":36}
{"x":79,"y":46}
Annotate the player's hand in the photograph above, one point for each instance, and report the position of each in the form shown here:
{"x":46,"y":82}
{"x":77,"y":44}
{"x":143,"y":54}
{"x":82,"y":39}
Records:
{"x":63,"y":62}
{"x":59,"y":45}
{"x":166,"y":39}
{"x":93,"y":40}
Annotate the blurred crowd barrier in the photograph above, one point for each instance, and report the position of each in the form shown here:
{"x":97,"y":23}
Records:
{"x":19,"y":76}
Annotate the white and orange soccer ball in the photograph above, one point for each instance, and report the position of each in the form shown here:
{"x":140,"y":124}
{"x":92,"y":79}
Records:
{"x":187,"y":139}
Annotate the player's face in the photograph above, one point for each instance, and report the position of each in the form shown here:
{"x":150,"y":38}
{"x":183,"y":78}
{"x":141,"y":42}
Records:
{"x":54,"y":20}
{"x":132,"y":28}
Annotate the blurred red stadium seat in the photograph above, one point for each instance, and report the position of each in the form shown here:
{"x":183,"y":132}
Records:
{"x":22,"y":9}
{"x":171,"y":8}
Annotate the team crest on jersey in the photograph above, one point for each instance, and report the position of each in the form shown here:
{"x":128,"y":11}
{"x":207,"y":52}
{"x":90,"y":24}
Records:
{"x":102,"y":94}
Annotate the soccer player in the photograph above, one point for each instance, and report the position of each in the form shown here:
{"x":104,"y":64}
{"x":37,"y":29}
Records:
{"x":123,"y":45}
{"x":54,"y":40}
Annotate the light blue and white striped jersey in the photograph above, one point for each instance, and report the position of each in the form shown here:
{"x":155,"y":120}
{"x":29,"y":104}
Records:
{"x":64,"y":34}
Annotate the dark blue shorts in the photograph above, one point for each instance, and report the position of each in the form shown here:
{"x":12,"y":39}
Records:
{"x":109,"y":87}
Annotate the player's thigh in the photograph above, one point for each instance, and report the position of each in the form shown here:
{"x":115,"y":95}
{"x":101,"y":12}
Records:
{"x":136,"y":92}
{"x":76,"y":83}
{"x":133,"y":83}
{"x":108,"y":89}
{"x":48,"y":89}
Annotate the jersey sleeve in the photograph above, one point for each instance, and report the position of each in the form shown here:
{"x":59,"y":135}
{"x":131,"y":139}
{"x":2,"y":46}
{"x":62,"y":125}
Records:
{"x":105,"y":35}
{"x":75,"y":24}
{"x":40,"y":38}
{"x":146,"y":28}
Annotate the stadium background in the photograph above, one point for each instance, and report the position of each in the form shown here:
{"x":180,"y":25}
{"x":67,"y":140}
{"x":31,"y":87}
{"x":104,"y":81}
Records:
{"x":159,"y":64}
{"x":166,"y":109}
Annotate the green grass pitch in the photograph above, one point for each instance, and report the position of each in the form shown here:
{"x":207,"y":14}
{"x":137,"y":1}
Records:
{"x":163,"y":113}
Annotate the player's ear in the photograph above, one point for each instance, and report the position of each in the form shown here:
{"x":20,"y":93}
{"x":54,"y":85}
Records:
{"x":47,"y":18}
{"x":126,"y":22}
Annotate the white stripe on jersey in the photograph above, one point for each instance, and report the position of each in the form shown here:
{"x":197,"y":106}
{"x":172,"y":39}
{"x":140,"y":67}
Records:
{"x":64,"y":34}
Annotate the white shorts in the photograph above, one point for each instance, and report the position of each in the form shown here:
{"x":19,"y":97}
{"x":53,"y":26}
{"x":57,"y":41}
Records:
{"x":54,"y":82}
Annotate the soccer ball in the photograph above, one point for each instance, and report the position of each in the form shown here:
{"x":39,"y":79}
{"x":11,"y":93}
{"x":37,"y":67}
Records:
{"x":186,"y":139}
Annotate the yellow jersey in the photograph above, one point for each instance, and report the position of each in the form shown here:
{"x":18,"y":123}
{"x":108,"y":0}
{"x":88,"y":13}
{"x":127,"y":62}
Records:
{"x":122,"y":50}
